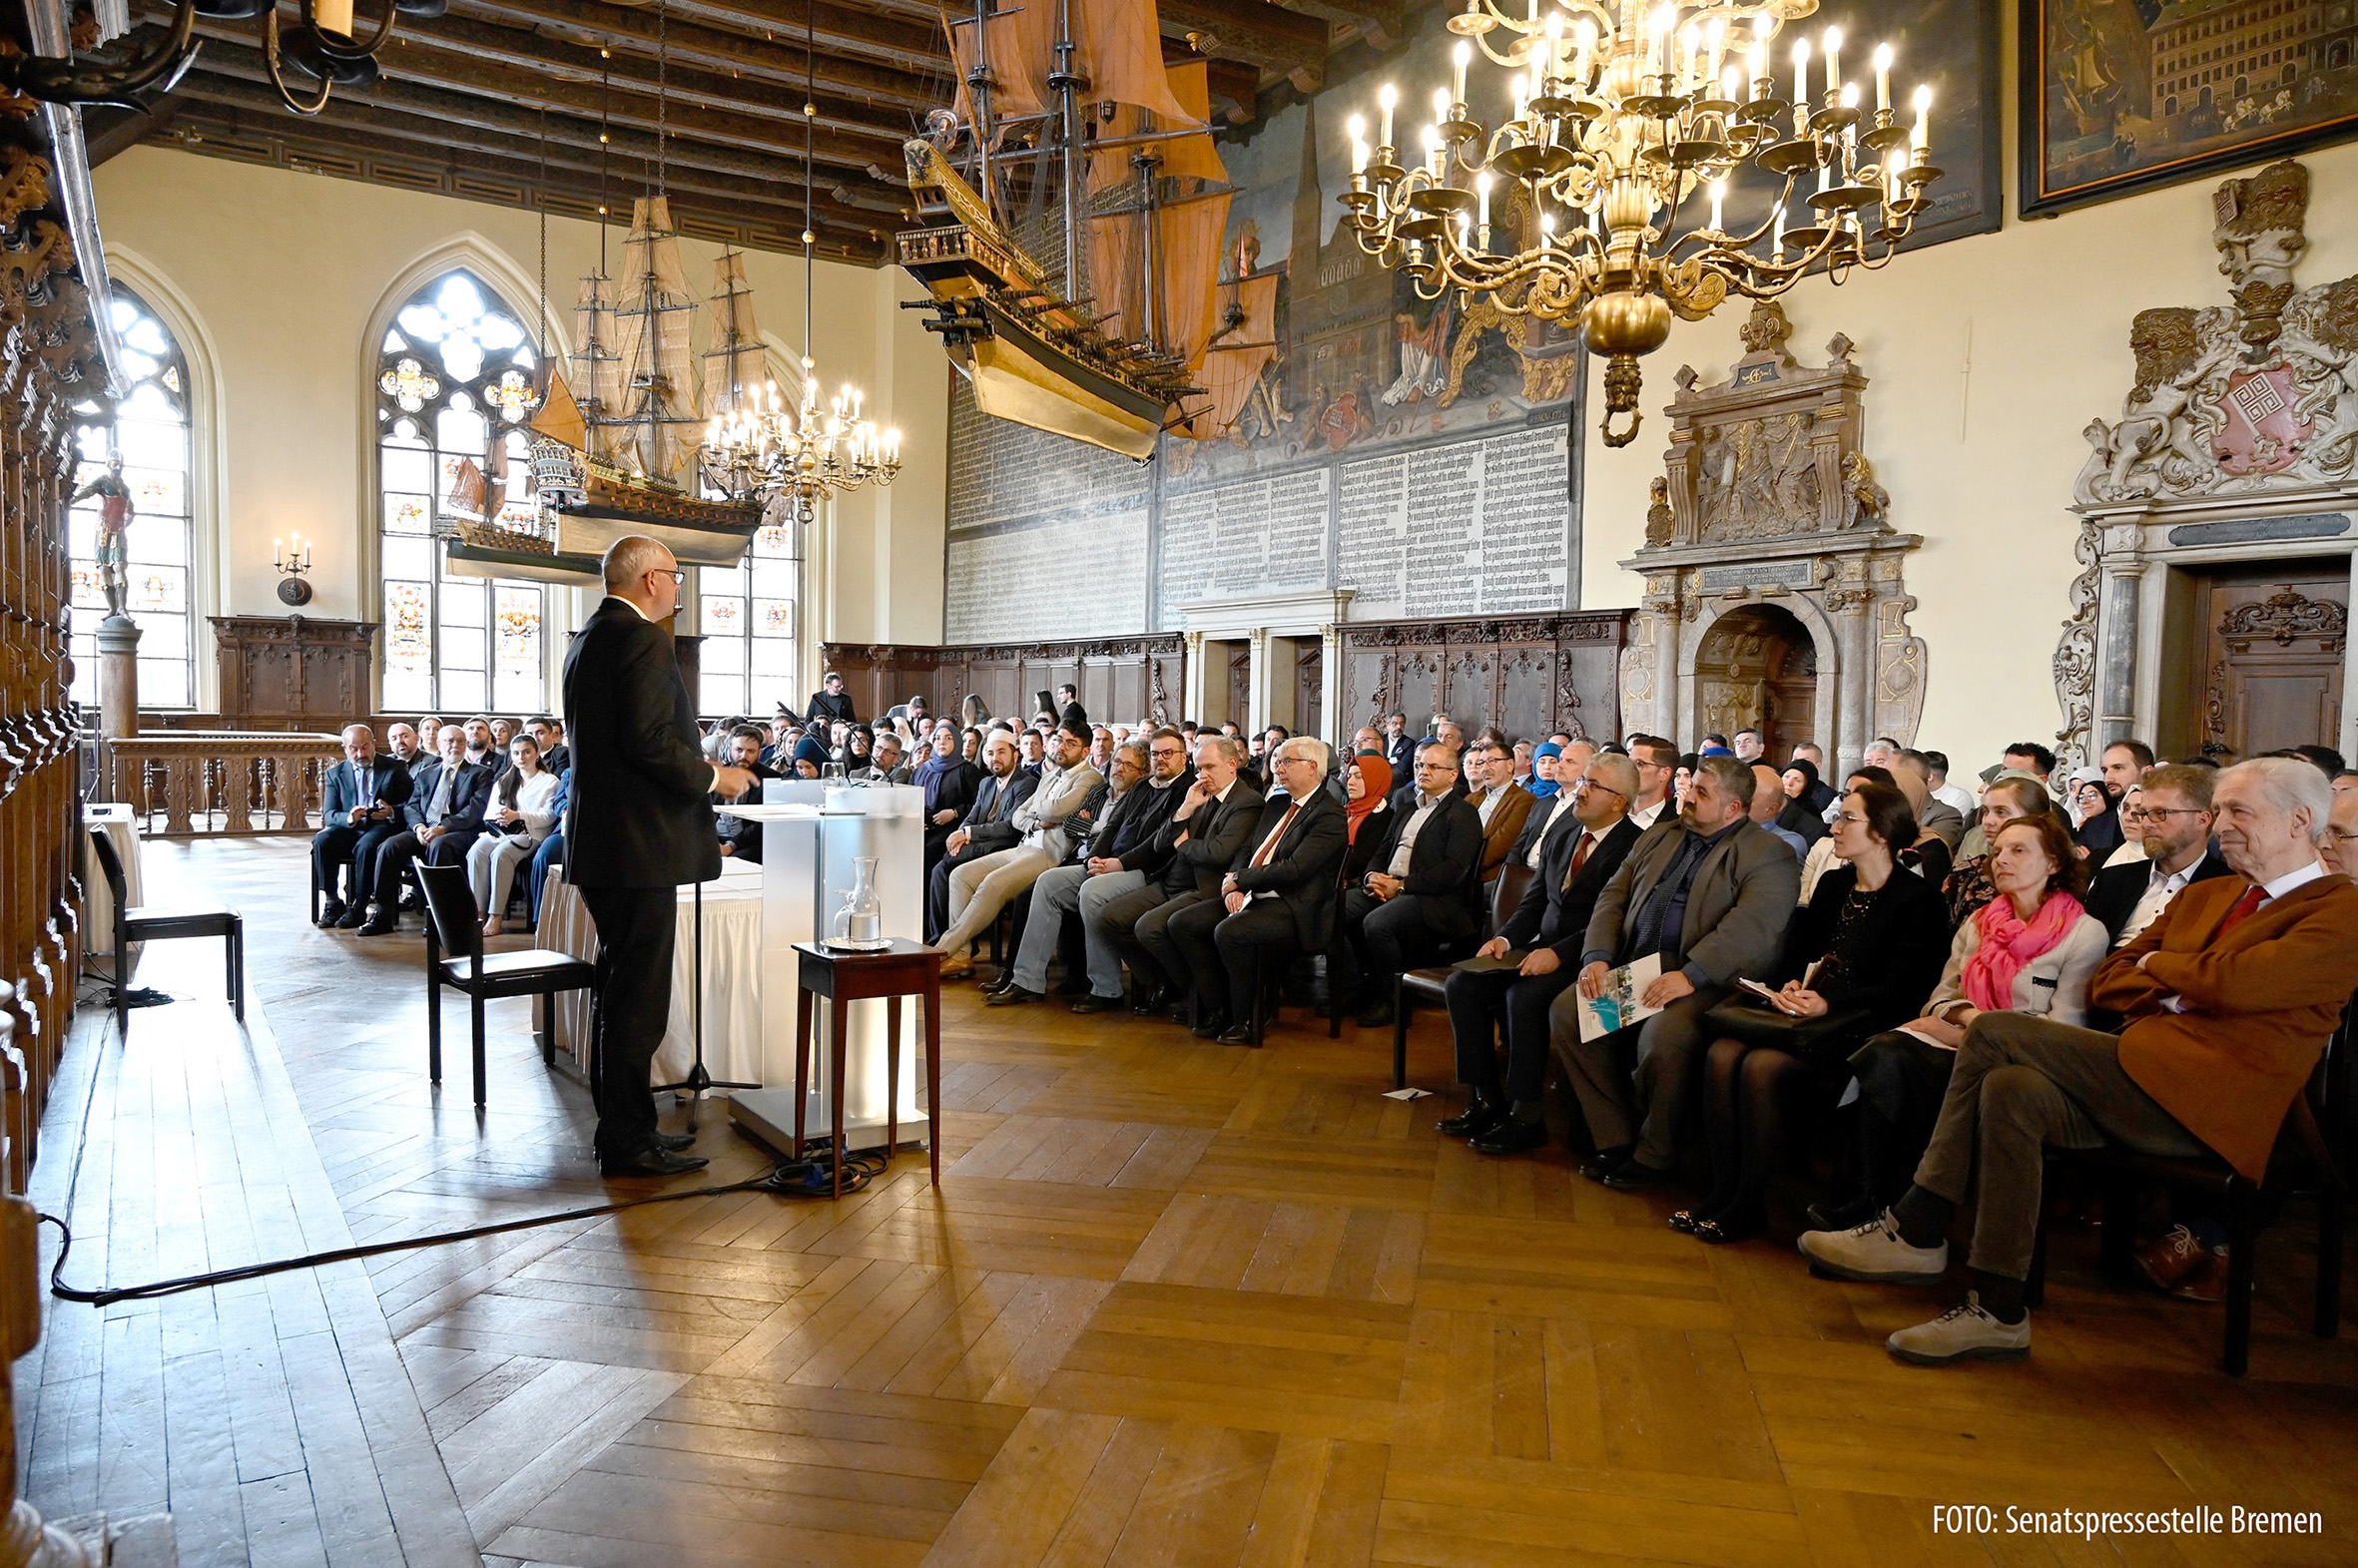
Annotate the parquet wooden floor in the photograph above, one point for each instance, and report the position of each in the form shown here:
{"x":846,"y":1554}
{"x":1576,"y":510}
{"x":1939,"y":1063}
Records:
{"x":1173,"y":1304}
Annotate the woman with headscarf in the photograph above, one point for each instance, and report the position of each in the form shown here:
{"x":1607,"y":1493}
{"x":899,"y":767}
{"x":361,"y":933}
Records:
{"x":1367,"y":787}
{"x":811,"y":757}
{"x":1799,"y":816}
{"x":2099,"y":833}
{"x":1544,"y":782}
{"x":950,"y":781}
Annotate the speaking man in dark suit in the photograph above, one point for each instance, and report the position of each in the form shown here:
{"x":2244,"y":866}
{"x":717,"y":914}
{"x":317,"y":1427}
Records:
{"x":1542,"y":938}
{"x":641,"y":823}
{"x":442,"y":818}
{"x":1278,"y":896}
{"x":365,"y":793}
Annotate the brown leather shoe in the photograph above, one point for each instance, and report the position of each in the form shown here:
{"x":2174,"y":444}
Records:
{"x":2206,"y":1282}
{"x":2168,"y":1260}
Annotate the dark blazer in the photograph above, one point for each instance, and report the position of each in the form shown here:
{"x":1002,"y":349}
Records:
{"x":418,"y":763}
{"x":468,"y":796}
{"x":1738,"y":905}
{"x":829,"y":708}
{"x":342,"y":790}
{"x":744,"y":837}
{"x":1073,"y":713}
{"x":987,"y":821}
{"x":641,"y":813}
{"x":1445,"y":863}
{"x":1131,"y":823}
{"x":1213,"y":834}
{"x":1544,"y":816}
{"x":557,"y":758}
{"x":494,"y":760}
{"x":2113,"y":892}
{"x":1301,"y":869}
{"x":1553,"y":915}
{"x":1402,"y":755}
{"x":1894,"y":956}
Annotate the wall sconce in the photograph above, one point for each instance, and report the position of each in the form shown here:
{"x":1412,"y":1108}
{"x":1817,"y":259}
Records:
{"x":291,"y":565}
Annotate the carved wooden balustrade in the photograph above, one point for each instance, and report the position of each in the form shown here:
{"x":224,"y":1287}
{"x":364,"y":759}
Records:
{"x":223,"y":782}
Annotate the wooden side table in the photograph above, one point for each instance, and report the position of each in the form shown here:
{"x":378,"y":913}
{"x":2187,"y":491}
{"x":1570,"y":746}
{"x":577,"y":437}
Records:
{"x":906,"y":968}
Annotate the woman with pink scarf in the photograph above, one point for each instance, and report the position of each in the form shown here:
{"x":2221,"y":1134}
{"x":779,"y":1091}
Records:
{"x":2029,"y":949}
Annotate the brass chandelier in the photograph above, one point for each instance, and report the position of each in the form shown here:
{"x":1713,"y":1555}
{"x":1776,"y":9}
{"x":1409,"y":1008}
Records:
{"x":1622,"y":115}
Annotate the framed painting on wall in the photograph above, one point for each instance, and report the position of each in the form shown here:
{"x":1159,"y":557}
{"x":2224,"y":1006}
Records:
{"x":2121,"y":95}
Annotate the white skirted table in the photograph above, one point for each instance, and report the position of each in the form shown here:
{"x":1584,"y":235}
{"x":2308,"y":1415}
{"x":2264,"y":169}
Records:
{"x":98,"y":899}
{"x":733,"y":1025}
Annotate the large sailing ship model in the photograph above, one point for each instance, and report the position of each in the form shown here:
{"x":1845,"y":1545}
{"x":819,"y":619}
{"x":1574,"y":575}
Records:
{"x":1120,"y":336}
{"x":620,"y":456}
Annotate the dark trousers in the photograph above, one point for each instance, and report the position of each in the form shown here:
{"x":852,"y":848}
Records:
{"x":396,"y":853}
{"x":1484,"y":1002}
{"x":551,"y":852}
{"x":1382,"y":939}
{"x":1153,"y":953}
{"x":1226,"y":954}
{"x":633,"y":1006}
{"x":333,"y":849}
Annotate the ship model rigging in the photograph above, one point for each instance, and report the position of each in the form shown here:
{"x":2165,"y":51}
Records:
{"x":1069,"y":117}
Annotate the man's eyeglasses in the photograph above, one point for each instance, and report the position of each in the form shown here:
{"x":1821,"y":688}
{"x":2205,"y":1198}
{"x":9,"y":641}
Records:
{"x":1593,"y":784}
{"x":678,"y":577}
{"x":2167,"y":812}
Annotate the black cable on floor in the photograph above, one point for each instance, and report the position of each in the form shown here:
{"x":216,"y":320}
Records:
{"x":800,"y":1177}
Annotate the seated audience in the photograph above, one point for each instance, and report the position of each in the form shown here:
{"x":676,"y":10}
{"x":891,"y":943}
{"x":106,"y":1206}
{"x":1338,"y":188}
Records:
{"x":402,"y":745}
{"x":971,"y":745}
{"x":981,"y":885}
{"x":1276,"y":898}
{"x":859,"y":751}
{"x":2031,"y":949}
{"x":1400,"y":747}
{"x":1709,"y":893}
{"x":740,"y":838}
{"x":1567,"y":766}
{"x":1749,"y":746}
{"x":549,"y":735}
{"x":811,"y":758}
{"x":884,"y":765}
{"x":2342,"y":826}
{"x":1769,"y":803}
{"x":949,"y":781}
{"x":1032,"y":746}
{"x":1657,"y":762}
{"x":1912,"y":770}
{"x":480,"y":751}
{"x":987,"y":827}
{"x":2173,"y":828}
{"x":503,"y":732}
{"x":2099,"y":832}
{"x":1183,"y":866}
{"x":1935,"y":764}
{"x":1367,"y":781}
{"x":1524,"y":756}
{"x":551,"y":852}
{"x":1503,"y":804}
{"x":1858,"y":959}
{"x":1147,"y":782}
{"x":1510,"y":985}
{"x":1420,"y":896}
{"x":2007,"y":797}
{"x":1820,"y":795}
{"x":444,"y":815}
{"x":2228,"y":998}
{"x":361,"y":804}
{"x":522,"y":811}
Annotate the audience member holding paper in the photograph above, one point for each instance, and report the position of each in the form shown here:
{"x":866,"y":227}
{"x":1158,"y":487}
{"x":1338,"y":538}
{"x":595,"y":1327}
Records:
{"x":1857,"y":957}
{"x":2028,"y":950}
{"x":1711,"y":893}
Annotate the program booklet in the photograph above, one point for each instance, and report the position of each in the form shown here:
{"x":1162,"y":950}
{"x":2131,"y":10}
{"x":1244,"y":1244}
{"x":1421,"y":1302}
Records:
{"x":1617,"y":1004}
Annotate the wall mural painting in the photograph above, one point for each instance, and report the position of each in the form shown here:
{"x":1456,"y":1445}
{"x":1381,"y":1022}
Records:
{"x":1421,"y":453}
{"x":2125,"y":94}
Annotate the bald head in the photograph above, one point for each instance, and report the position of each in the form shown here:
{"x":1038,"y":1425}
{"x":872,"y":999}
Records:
{"x":642,"y":571}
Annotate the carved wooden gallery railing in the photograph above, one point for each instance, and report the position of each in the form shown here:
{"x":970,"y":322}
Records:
{"x":226,"y":781}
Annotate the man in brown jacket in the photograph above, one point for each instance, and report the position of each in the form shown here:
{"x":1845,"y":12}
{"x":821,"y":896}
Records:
{"x":1503,"y":804}
{"x":2226,"y":998}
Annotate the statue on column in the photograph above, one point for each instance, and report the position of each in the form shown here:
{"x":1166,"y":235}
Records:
{"x":115,"y":514}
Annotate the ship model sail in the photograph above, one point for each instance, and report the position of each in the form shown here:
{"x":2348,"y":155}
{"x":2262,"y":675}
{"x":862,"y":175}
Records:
{"x":1116,"y":343}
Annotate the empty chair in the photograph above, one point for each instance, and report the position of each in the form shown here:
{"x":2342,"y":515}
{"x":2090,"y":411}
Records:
{"x":154,"y":923}
{"x":452,"y":924}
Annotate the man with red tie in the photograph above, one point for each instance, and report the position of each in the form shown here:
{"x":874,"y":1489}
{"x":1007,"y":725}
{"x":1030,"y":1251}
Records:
{"x":1543,"y":935}
{"x":2227,"y":1000}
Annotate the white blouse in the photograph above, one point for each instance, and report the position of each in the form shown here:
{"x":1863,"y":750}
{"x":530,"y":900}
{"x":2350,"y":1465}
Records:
{"x":536,"y":799}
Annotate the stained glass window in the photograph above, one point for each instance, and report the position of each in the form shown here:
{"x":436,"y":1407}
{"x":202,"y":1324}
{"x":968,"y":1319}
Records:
{"x":453,"y":382}
{"x":747,"y":614}
{"x":149,"y":430}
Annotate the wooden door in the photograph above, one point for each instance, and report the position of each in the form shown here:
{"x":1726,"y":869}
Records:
{"x":2272,"y":653}
{"x":1240,"y":684}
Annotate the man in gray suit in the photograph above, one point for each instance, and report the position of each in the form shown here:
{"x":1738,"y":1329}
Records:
{"x":1711,"y":892}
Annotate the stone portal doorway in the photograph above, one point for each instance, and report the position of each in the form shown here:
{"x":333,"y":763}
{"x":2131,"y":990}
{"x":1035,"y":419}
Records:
{"x":1759,"y":666}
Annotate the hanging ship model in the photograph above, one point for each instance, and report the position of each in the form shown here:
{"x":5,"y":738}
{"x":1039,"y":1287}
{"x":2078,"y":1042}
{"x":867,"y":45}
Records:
{"x":1082,"y":146}
{"x":620,"y":457}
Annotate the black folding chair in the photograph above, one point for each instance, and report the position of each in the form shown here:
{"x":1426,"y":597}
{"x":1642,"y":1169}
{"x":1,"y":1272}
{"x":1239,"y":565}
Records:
{"x":148,"y":923}
{"x":452,"y":924}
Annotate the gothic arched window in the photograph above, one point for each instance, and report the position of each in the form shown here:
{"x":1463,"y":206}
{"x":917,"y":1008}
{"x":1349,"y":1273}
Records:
{"x":454,"y":383}
{"x":150,"y":432}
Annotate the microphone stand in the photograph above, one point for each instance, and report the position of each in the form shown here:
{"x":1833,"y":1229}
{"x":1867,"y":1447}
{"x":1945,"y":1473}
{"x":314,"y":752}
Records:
{"x":700,"y":1080}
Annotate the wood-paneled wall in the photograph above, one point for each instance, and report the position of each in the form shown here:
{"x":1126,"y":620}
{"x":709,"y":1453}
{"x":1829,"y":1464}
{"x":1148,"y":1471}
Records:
{"x":1528,"y":675}
{"x":48,"y":361}
{"x":1121,"y":680}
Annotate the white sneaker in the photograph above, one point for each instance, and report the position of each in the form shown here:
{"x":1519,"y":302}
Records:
{"x":1964,"y":1332}
{"x":1874,"y":1252}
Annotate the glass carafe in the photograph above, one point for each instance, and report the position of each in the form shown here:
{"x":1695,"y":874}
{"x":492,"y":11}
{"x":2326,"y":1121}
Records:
{"x":858,"y":923}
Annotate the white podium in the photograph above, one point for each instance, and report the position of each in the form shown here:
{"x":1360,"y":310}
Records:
{"x":811,"y":833}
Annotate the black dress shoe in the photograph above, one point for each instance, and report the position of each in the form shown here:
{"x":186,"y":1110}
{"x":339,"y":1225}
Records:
{"x":1478,"y":1117}
{"x":1242,"y":1034}
{"x":353,"y":918}
{"x":330,"y":912}
{"x":1212,"y":1028}
{"x":675,"y":1140}
{"x":652,"y":1161}
{"x":1151,"y":1001}
{"x":1685,"y":1222}
{"x":380,"y":926}
{"x":1512,"y":1137}
{"x":1091,"y":1002}
{"x":1635,"y":1176}
{"x":1008,"y":996}
{"x":1604,"y":1163}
